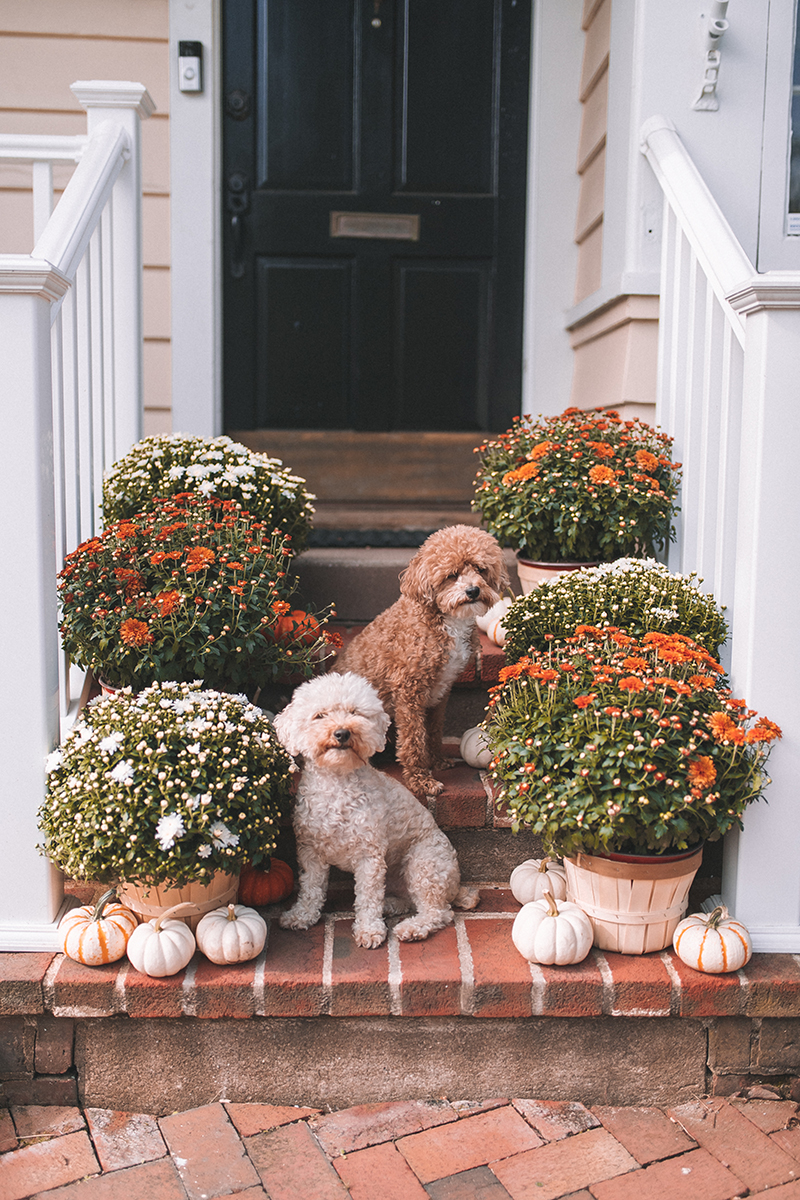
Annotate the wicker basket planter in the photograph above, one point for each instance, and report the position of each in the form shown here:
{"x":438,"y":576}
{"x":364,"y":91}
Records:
{"x":634,"y":903}
{"x":151,"y":900}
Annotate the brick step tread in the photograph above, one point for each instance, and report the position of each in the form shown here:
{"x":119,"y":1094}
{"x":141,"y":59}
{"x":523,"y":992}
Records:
{"x":469,"y":969}
{"x":441,"y":1148}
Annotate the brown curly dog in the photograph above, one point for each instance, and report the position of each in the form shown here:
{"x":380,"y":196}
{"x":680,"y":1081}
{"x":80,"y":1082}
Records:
{"x":414,"y":651}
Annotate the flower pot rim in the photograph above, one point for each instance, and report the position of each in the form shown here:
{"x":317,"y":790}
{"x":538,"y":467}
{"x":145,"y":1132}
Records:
{"x":614,"y":856}
{"x":558,"y":563}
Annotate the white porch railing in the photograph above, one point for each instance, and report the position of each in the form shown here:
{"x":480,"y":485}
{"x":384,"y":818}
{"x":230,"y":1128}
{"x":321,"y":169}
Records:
{"x":71,"y":349}
{"x":729,"y":370}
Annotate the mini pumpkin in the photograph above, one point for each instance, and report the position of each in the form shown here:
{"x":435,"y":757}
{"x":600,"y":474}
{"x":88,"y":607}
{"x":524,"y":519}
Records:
{"x":259,"y":887}
{"x":296,"y":626}
{"x":164,"y":945}
{"x":532,"y":878}
{"x":474,"y":748}
{"x":552,"y":932}
{"x":712,"y":942}
{"x":233,"y":934}
{"x":97,"y":933}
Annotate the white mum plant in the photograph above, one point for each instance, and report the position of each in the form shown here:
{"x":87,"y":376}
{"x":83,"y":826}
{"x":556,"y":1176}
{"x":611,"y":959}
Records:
{"x":639,"y":595}
{"x":167,"y":786}
{"x":165,"y":464}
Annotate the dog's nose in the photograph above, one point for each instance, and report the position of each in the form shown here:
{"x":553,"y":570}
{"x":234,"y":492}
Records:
{"x":473,"y":593}
{"x":342,"y":736}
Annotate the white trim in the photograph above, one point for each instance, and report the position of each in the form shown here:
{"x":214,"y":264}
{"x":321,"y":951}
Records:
{"x":551,"y":257}
{"x":776,"y":250}
{"x":195,"y":226}
{"x":114,"y":93}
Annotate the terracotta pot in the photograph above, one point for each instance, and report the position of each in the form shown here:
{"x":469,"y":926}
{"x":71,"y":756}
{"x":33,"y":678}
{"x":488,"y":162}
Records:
{"x":150,"y":900}
{"x":532,"y":573}
{"x":633,"y":901}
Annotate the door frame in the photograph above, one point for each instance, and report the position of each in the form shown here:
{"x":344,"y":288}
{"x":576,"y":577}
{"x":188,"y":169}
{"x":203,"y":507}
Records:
{"x":196,"y":214}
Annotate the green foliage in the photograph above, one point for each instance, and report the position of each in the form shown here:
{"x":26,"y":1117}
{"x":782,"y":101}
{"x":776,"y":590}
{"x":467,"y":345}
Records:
{"x":169,"y":785}
{"x":606,"y":743}
{"x":582,"y":487}
{"x":189,"y":589}
{"x":637,"y":595}
{"x":163,"y":465}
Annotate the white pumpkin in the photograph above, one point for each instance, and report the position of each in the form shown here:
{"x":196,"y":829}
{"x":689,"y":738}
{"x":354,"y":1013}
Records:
{"x":552,"y":932}
{"x":492,"y":622}
{"x":712,"y":942}
{"x":231,"y":935}
{"x":532,"y":878}
{"x":474,"y":748}
{"x":163,"y":946}
{"x":97,"y":933}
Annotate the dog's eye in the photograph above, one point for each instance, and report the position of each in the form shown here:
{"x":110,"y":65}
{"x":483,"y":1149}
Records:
{"x":318,"y":716}
{"x":453,"y":575}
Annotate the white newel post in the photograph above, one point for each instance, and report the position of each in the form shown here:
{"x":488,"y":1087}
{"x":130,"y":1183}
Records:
{"x":761,"y":879}
{"x":30,"y":888}
{"x":126,"y":104}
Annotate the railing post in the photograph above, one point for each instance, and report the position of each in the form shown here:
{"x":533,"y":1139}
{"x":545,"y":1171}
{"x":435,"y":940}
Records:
{"x":30,"y":888}
{"x":760,"y":878}
{"x":127,"y":104}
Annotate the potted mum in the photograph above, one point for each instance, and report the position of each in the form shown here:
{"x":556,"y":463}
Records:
{"x":583,"y":487}
{"x":165,"y":794}
{"x":615,"y":749}
{"x":192,"y":588}
{"x":639,"y":595}
{"x":164,"y":464}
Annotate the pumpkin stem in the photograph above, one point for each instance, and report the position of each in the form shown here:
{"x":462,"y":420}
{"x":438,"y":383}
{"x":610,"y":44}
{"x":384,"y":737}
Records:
{"x":543,"y":865}
{"x":231,"y":912}
{"x":184,"y":908}
{"x":552,"y":907}
{"x":720,"y":913}
{"x":105,"y":899}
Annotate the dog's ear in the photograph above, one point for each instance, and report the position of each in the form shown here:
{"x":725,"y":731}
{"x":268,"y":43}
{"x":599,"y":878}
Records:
{"x":417,"y":582}
{"x":285,"y":728}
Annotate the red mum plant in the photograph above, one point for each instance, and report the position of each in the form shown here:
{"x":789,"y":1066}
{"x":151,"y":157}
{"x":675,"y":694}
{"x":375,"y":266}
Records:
{"x":581,"y":487}
{"x":639,"y":747}
{"x":191,"y":588}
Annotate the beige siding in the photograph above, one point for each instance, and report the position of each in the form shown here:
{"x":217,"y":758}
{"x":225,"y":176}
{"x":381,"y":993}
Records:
{"x":45,"y":46}
{"x":591,"y":150}
{"x":616,"y":353}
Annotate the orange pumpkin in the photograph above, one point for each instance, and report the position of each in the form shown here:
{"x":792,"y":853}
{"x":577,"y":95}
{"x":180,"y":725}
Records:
{"x":296,"y":626}
{"x":259,"y":887}
{"x":97,"y":933}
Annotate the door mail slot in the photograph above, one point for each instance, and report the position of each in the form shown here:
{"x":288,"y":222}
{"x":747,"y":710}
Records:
{"x":397,"y":227}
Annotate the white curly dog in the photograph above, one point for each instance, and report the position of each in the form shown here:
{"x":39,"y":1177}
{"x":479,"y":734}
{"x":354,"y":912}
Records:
{"x":351,"y":816}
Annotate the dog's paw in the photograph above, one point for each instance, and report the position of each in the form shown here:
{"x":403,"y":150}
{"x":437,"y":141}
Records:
{"x":413,"y":929}
{"x":297,"y":919}
{"x":422,"y":784}
{"x":369,"y":936}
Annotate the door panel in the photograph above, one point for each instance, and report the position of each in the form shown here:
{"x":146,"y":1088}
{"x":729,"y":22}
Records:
{"x":442,"y":317}
{"x":303,"y":348}
{"x":413,"y":107}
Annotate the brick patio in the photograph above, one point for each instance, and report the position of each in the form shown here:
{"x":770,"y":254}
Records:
{"x":495,"y":1149}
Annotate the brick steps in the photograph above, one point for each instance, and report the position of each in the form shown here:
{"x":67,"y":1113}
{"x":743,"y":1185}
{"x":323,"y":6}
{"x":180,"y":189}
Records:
{"x":317,"y":1018}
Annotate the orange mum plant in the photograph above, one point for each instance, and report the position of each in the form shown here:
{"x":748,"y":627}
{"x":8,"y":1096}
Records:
{"x":581,"y":487}
{"x":606,"y":742}
{"x":190,"y":588}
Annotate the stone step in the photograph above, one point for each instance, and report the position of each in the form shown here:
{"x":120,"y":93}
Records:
{"x":359,"y":582}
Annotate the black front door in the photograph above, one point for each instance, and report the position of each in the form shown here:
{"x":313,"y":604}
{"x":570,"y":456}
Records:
{"x":374,"y":208}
